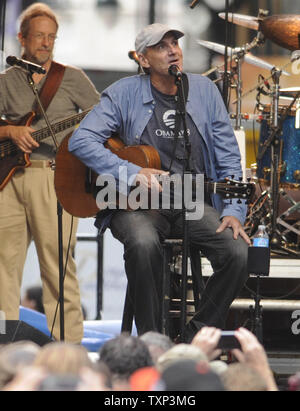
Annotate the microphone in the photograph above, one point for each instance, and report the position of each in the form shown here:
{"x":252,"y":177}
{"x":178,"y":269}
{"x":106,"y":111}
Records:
{"x":174,"y":71}
{"x":27,"y":65}
{"x":265,"y":81}
{"x":133,"y":56}
{"x":194,"y":3}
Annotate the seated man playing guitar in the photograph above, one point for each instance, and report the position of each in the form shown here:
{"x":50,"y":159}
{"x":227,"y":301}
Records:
{"x":28,"y":203}
{"x":141,"y":109}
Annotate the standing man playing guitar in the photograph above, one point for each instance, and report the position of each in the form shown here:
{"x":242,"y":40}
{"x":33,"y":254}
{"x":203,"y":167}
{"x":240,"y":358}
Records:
{"x":141,"y":109}
{"x":28,"y":203}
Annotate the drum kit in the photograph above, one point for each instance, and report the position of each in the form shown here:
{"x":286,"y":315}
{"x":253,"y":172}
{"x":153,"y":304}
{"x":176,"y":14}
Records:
{"x":276,"y":172}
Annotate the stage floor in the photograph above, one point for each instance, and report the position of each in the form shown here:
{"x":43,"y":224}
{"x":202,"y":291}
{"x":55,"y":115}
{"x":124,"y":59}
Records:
{"x":280,"y":267}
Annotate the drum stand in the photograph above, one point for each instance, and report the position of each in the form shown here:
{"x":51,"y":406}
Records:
{"x":277,"y":238}
{"x":275,"y":159}
{"x":295,"y":228}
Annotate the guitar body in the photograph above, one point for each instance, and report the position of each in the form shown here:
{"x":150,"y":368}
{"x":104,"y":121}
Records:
{"x":141,"y":155}
{"x":15,"y":159}
{"x":74,"y":182}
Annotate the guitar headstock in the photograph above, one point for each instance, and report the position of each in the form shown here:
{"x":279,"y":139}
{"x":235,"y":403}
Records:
{"x":230,"y":188}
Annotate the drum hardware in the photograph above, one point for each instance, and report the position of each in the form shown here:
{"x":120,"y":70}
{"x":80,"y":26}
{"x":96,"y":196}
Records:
{"x":278,"y":168}
{"x":297,"y":116}
{"x":291,"y":94}
{"x":248,"y":116}
{"x":267,"y":171}
{"x":259,"y":213}
{"x":281,"y":170}
{"x":263,"y":82}
{"x":289,"y":226}
{"x":239,"y":54}
{"x":253,"y":171}
{"x":296,"y":174}
{"x":266,"y":208}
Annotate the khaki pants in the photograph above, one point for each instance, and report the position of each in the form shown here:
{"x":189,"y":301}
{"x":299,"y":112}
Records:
{"x":28,"y":211}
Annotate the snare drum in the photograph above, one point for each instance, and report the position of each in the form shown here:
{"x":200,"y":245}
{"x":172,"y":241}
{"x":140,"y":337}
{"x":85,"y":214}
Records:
{"x":290,"y":151}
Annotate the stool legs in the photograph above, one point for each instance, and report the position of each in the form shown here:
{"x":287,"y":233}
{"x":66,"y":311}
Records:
{"x":170,"y":248}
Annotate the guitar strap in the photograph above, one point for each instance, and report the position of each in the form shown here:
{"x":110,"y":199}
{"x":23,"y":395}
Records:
{"x":51,"y":85}
{"x":178,"y":118}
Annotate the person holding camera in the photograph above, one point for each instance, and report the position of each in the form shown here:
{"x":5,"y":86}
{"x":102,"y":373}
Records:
{"x":251,"y":353}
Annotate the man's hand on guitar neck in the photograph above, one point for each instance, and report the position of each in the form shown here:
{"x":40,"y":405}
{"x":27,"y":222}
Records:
{"x":21,"y":137}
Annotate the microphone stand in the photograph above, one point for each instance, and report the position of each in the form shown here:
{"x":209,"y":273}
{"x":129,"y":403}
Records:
{"x":181,"y":111}
{"x":226,"y":78}
{"x":59,"y":211}
{"x":2,"y":32}
{"x":275,"y":156}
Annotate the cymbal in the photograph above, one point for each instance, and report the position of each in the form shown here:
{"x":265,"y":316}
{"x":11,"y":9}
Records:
{"x":248,"y":57}
{"x":241,"y":20}
{"x":289,"y":92}
{"x":282,"y":29}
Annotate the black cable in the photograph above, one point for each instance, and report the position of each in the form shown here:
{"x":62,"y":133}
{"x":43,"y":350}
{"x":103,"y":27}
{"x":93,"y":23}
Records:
{"x":65,"y":270}
{"x":281,"y":297}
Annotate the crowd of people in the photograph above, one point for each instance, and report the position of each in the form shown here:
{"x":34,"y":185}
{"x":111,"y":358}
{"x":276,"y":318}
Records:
{"x":144,"y":109}
{"x":150,"y":362}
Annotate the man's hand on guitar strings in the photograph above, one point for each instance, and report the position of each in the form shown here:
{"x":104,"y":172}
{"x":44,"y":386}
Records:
{"x":21,"y":137}
{"x":147,"y":178}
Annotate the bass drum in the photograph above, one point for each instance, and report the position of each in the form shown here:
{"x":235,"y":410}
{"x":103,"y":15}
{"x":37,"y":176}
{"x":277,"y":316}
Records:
{"x":290,"y":151}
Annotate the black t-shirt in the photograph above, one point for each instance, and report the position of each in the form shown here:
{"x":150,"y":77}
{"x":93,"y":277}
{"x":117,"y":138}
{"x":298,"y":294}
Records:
{"x":160,"y":133}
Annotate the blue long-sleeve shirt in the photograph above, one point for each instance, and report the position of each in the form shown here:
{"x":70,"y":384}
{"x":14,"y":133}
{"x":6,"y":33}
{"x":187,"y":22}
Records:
{"x":126,"y":107}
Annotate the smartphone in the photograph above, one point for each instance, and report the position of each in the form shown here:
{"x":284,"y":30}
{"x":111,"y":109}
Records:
{"x":228,"y":341}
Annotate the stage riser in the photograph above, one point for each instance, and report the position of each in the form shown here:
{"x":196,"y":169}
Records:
{"x":281,"y":327}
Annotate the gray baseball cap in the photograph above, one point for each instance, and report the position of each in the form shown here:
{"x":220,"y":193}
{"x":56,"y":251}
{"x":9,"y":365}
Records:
{"x":152,"y":35}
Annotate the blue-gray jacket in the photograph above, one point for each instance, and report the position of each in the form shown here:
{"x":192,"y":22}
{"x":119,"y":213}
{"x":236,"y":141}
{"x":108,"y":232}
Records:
{"x":126,"y":107}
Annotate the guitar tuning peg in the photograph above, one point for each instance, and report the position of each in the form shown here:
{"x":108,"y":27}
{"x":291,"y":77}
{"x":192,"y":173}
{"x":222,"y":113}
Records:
{"x":239,"y":201}
{"x":241,"y":178}
{"x":232,"y":176}
{"x":249,"y":179}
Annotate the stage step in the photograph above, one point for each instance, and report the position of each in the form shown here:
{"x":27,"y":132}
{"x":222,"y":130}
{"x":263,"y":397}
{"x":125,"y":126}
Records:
{"x":279,"y":267}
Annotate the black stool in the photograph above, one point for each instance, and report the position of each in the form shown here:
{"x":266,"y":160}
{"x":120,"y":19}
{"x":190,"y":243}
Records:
{"x":172,"y":305}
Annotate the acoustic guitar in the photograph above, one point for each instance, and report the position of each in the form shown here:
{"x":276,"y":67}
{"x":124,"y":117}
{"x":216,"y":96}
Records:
{"x":75,"y":184}
{"x":12,"y":158}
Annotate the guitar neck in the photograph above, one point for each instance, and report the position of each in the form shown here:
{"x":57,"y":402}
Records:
{"x":227,"y":188}
{"x":62,"y":125}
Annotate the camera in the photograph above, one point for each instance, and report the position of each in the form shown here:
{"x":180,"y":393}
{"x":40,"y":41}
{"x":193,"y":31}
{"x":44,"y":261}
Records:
{"x":228,"y":341}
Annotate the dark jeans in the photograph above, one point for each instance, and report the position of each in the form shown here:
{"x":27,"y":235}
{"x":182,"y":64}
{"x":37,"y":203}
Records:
{"x":142,"y":232}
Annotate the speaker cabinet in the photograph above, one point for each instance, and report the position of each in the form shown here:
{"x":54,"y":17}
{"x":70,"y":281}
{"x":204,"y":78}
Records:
{"x":15,"y":330}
